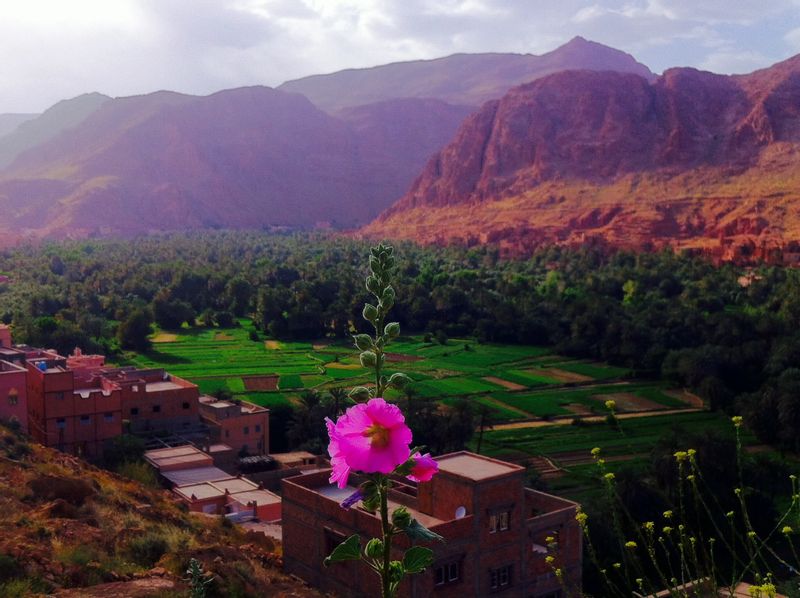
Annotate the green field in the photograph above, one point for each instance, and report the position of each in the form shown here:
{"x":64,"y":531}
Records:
{"x":636,"y":436}
{"x":511,"y":381}
{"x":569,"y":446}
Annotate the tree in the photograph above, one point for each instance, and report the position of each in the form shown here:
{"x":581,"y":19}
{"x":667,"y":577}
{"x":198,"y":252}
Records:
{"x":133,"y":332}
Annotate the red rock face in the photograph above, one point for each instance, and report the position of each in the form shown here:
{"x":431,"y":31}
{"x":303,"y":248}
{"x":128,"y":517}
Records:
{"x":627,"y":161}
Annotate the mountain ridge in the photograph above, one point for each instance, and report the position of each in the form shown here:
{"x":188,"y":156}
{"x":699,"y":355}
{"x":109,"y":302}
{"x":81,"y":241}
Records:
{"x":462,"y":78}
{"x":692,"y":160}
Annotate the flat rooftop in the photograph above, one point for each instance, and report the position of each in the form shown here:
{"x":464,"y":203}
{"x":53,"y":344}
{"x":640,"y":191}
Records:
{"x":333,"y":492}
{"x":260,"y":497}
{"x":185,"y":455}
{"x":161,"y":386}
{"x":239,"y":489}
{"x":195,"y":475}
{"x":10,"y":368}
{"x":243,"y":406}
{"x":475,"y":467}
{"x":293,"y":456}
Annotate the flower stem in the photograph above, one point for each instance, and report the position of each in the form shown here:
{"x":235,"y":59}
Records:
{"x":383,"y":489}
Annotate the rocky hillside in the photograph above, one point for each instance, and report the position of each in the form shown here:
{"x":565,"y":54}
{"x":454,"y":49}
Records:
{"x":38,"y":129}
{"x":462,"y":79}
{"x":692,"y":160}
{"x":72,"y":530}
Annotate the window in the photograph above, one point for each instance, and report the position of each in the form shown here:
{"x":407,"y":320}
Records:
{"x":186,"y":405}
{"x":85,"y":420}
{"x":59,"y":396}
{"x":247,"y":429}
{"x":447,"y":573}
{"x":61,"y":423}
{"x":499,"y":522}
{"x":13,"y":396}
{"x":258,"y":429}
{"x":156,"y":408}
{"x":500,"y":579}
{"x":134,"y":411}
{"x":227,"y":433}
{"x":332,"y":539}
{"x":109,"y":417}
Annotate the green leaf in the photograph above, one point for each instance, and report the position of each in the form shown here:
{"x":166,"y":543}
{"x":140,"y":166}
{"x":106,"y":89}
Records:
{"x":417,"y":559}
{"x":417,"y":531}
{"x":349,"y":550}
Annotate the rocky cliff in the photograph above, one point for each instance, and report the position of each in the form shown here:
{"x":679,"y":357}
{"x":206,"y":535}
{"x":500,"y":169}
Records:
{"x":692,"y":160}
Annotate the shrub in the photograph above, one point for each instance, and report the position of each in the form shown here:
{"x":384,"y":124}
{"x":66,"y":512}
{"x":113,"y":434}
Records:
{"x":8,"y":567}
{"x":18,"y":588}
{"x":139,"y":472}
{"x":148,"y":549}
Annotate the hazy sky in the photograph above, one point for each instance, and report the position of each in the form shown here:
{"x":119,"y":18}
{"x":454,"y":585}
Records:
{"x":55,"y":49}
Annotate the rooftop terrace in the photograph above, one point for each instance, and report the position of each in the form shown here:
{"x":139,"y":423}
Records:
{"x":476,"y":467}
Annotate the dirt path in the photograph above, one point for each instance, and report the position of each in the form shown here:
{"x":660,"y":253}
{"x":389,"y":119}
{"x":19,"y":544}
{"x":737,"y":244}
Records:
{"x":505,"y":406}
{"x":507,"y":384}
{"x":566,"y":421}
{"x":686,"y":396}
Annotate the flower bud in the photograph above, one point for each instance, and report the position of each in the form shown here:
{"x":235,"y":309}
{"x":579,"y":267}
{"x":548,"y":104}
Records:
{"x":368,"y":359}
{"x":396,"y":571}
{"x":401,"y":518}
{"x":370,"y":312}
{"x":392,"y":329}
{"x":363,"y":342}
{"x":374,"y":548}
{"x":373,"y":285}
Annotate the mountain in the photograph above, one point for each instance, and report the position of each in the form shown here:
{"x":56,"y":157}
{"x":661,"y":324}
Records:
{"x":44,"y":127}
{"x":692,"y":160}
{"x":461,"y":79}
{"x":243,"y":158}
{"x":10,"y":121}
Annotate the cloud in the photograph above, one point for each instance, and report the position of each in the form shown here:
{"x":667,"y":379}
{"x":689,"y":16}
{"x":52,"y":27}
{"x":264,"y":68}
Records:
{"x":793,"y":39}
{"x":61,"y":49}
{"x":733,"y":62}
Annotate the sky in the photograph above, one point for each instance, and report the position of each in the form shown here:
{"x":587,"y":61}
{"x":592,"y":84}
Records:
{"x":58,"y":49}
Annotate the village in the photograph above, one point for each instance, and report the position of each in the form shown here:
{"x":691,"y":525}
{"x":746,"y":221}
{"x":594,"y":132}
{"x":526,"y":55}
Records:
{"x":213,"y":456}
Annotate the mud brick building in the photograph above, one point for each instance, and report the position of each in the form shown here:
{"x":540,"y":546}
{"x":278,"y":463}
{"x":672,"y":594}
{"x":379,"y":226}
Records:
{"x":153,"y":400}
{"x":494,"y":530}
{"x":68,"y":411}
{"x":241,"y":425}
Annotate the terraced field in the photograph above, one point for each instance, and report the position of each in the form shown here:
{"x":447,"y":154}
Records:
{"x":513,"y":383}
{"x":568,"y":447}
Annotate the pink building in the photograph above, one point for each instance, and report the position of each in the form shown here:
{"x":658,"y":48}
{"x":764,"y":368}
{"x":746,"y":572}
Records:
{"x":5,"y":336}
{"x":13,"y":393}
{"x":239,"y":424}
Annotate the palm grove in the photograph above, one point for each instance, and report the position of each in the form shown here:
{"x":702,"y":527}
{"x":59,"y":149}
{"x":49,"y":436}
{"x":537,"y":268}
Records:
{"x":663,"y":315}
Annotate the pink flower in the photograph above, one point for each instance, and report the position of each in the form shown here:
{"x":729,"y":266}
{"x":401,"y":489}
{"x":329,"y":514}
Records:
{"x":370,"y":437}
{"x":424,"y":468}
{"x":340,"y":471}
